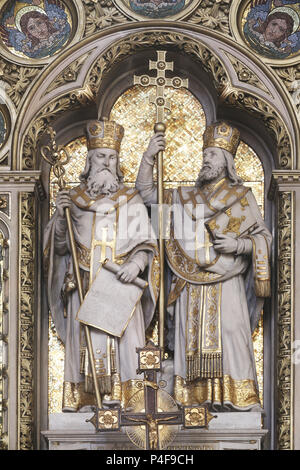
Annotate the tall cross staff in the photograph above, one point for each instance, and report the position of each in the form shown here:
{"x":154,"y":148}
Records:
{"x":161,"y":103}
{"x":58,"y":157}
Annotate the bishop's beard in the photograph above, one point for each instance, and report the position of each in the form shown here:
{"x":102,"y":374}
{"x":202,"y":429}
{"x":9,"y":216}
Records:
{"x":102,"y":181}
{"x":208,"y":174}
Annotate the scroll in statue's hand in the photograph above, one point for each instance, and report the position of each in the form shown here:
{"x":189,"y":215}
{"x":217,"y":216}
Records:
{"x":225,"y":244}
{"x":63,"y":200}
{"x":157,"y":143}
{"x":128,"y":272}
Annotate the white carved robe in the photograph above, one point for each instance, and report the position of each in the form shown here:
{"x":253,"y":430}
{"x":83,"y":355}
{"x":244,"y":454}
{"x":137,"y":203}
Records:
{"x":211,"y":296}
{"x":117,"y":228}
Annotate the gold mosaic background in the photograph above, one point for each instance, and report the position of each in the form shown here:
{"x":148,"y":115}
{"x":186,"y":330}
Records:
{"x":182,"y":162}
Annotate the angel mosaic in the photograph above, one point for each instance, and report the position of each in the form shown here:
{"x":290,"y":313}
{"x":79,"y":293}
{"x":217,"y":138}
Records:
{"x":157,"y":8}
{"x":35,"y":28}
{"x":272,"y":28}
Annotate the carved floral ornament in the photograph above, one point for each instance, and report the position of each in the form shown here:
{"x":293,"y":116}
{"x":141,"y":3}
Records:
{"x":101,"y":14}
{"x":229,"y":94}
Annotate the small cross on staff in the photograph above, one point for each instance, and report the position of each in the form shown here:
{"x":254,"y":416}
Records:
{"x":191,"y":417}
{"x":161,"y":103}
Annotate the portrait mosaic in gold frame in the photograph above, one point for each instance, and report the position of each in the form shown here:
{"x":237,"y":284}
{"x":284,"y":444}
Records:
{"x":36,"y":30}
{"x":269,"y":28}
{"x":157,"y":9}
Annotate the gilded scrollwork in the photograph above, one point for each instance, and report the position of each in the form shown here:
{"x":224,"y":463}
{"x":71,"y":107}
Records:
{"x":45,"y":117}
{"x":213,"y":14}
{"x":290,"y":77}
{"x":285,"y":322}
{"x":230,"y":95}
{"x":16,"y":79}
{"x":26,"y":320}
{"x":115,"y":54}
{"x":267,"y":114}
{"x":101,"y":14}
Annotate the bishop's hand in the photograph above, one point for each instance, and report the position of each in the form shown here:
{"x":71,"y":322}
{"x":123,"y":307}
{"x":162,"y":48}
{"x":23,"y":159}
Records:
{"x":225,"y":244}
{"x":157,"y":143}
{"x":128,"y":272}
{"x":63,"y":200}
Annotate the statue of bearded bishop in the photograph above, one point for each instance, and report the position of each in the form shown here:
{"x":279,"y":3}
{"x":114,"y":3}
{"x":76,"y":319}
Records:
{"x":110,"y":222}
{"x":220,"y":275}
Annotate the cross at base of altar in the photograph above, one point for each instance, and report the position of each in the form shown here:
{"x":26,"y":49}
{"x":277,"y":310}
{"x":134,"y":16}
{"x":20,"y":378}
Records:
{"x":150,"y":411}
{"x":230,"y":431}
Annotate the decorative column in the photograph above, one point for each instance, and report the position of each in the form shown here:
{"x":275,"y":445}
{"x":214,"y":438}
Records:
{"x":26,"y":319}
{"x":19,"y":308}
{"x":286,"y":190}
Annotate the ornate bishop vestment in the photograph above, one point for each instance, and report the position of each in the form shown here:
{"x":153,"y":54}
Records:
{"x":214,"y":360}
{"x":214,"y":298}
{"x":116,"y":228}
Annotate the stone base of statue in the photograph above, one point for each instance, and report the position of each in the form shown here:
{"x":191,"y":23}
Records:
{"x":238,"y":431}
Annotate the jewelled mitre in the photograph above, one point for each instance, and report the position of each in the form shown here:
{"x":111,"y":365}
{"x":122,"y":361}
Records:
{"x":223,"y":136}
{"x":104,"y":134}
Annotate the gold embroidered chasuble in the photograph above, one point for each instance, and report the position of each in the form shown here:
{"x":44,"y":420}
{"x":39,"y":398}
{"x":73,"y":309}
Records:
{"x":106,"y":227}
{"x":213,"y":352}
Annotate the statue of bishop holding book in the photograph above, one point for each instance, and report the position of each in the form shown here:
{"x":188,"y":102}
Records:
{"x":111,"y":228}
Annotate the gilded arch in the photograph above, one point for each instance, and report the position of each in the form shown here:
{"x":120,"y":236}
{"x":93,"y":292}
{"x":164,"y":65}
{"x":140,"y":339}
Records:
{"x":252,"y":87}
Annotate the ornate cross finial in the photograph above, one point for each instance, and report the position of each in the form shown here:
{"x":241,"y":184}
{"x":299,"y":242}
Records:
{"x":161,"y":103}
{"x":57,"y":156}
{"x":160,"y":81}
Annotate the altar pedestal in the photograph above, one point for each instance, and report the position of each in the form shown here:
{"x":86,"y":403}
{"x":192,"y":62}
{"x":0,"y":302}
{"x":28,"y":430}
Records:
{"x":243,"y":431}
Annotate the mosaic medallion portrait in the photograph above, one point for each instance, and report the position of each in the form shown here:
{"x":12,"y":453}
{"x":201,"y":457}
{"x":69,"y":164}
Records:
{"x":157,"y":9}
{"x":35,"y":28}
{"x":272,"y":28}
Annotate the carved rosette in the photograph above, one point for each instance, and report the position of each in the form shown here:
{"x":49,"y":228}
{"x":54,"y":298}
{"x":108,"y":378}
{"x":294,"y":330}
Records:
{"x":285,"y":320}
{"x":26,"y":320}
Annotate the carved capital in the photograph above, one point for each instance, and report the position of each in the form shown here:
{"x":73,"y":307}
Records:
{"x":286,"y":178}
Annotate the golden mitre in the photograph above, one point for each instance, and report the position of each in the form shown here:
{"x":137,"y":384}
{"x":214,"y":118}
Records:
{"x":223,"y":136}
{"x":104,"y":134}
